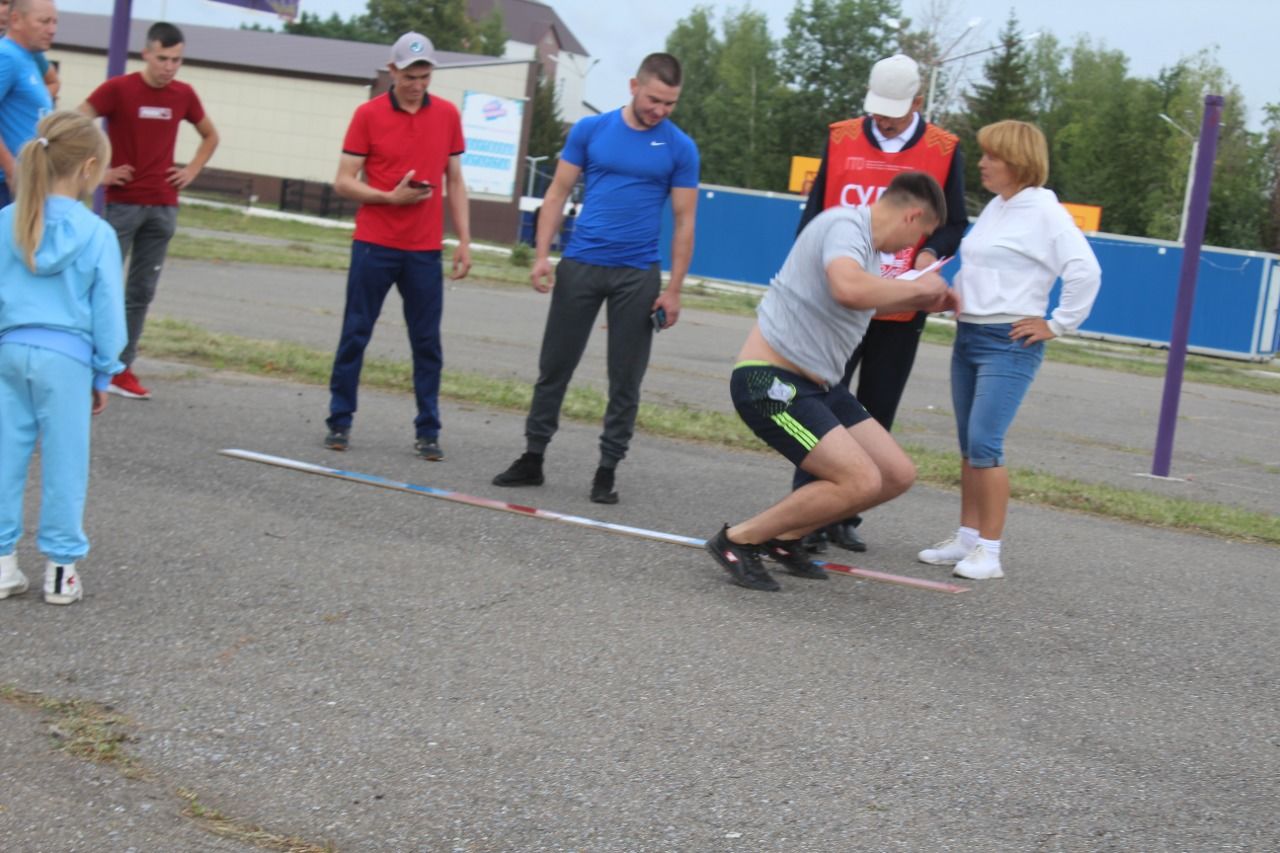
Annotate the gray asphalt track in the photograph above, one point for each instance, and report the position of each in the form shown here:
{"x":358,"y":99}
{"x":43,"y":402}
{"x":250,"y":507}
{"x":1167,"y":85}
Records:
{"x":1088,"y":424}
{"x":387,"y":672}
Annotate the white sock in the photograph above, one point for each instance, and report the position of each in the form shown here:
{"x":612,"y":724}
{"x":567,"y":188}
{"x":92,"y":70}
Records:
{"x":991,"y":546}
{"x":967,"y":536}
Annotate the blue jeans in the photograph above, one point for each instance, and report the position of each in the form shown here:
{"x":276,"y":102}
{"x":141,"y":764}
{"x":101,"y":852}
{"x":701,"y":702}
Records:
{"x":990,"y":374}
{"x":420,"y":279}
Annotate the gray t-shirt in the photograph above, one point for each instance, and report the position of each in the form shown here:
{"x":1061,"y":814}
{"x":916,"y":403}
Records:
{"x":798,"y":316}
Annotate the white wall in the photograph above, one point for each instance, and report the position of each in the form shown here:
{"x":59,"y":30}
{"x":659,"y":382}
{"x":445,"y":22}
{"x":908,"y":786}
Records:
{"x":285,"y":127}
{"x":571,"y":84}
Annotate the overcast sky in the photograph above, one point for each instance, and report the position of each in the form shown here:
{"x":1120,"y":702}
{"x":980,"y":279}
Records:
{"x":1153,"y":33}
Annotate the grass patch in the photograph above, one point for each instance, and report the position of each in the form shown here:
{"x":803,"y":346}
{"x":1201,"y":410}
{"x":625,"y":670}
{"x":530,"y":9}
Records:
{"x":85,"y":729}
{"x":317,"y":247}
{"x":236,"y":222}
{"x":174,"y":340}
{"x":193,"y":248}
{"x":182,"y":341}
{"x":1141,"y":361}
{"x":215,"y":822}
{"x":94,"y":732}
{"x":1039,"y":487}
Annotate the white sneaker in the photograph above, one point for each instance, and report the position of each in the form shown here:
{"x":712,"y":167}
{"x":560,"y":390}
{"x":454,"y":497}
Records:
{"x":946,"y":553}
{"x":12,"y":581}
{"x":979,"y":566}
{"x":61,"y":583}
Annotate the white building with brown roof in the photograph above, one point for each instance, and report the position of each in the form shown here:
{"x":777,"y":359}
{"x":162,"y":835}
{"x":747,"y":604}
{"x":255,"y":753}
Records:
{"x":535,"y":32}
{"x":282,"y":102}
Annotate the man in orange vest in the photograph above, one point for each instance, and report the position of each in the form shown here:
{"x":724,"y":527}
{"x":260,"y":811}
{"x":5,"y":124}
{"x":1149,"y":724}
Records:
{"x":862,"y":156}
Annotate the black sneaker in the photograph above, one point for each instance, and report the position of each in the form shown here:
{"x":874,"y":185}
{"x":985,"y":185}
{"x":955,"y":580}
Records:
{"x":602,"y":487}
{"x":742,"y":562}
{"x":525,"y":471}
{"x":815,"y":542}
{"x":428,"y":449}
{"x":337,"y":439}
{"x":792,"y":557}
{"x":845,"y":534}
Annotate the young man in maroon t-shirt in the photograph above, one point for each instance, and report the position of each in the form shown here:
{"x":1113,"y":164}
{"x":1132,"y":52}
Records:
{"x":401,"y":158}
{"x":143,"y":111}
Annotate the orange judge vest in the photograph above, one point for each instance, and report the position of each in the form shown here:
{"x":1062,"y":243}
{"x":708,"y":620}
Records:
{"x":858,"y":173}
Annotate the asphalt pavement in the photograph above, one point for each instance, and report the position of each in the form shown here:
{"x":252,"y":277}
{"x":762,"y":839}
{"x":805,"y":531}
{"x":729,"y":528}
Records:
{"x":382,"y":671}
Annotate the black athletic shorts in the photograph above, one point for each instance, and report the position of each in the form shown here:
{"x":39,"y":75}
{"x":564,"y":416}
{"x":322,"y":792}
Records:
{"x":791,"y":413}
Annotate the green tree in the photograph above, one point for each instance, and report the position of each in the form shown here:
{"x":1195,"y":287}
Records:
{"x":694,"y":42}
{"x":1241,"y":189}
{"x":827,"y":56}
{"x":1101,"y":146}
{"x":1271,"y":231}
{"x":1005,"y":93}
{"x":491,"y":35}
{"x":355,"y":28}
{"x":445,"y":22}
{"x":1045,"y":75}
{"x":546,"y":134}
{"x":744,"y":149}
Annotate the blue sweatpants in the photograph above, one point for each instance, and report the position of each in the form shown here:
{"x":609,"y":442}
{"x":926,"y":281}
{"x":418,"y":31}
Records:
{"x":45,"y":395}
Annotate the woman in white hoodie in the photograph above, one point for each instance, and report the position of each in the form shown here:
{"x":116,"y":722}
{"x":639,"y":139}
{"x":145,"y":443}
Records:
{"x":1023,"y":241}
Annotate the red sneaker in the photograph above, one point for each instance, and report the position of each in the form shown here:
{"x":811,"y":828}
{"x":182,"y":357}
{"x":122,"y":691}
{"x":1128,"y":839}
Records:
{"x":125,"y":384}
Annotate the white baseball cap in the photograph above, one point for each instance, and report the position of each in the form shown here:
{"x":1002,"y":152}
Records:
{"x":411,"y":48}
{"x":894,"y":84}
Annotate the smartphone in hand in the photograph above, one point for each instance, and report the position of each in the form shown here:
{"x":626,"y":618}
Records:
{"x":659,"y":319}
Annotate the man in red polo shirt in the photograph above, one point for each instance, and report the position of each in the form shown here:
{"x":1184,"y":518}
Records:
{"x":409,"y":148}
{"x":143,"y":111}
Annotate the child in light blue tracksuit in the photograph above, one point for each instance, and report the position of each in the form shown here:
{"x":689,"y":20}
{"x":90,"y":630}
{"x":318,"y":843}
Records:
{"x":62,"y":329}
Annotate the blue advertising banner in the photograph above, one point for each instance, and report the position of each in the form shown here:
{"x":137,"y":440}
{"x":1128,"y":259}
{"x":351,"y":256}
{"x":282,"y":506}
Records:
{"x":287,"y":9}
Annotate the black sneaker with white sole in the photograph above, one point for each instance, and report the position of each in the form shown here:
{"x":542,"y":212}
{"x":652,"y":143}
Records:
{"x":742,"y":562}
{"x":792,"y":557}
{"x":815,"y":542}
{"x":525,"y":471}
{"x":602,"y":491}
{"x":845,"y":534}
{"x":428,"y":448}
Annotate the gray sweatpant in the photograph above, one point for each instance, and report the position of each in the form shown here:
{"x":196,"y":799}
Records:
{"x":144,"y":231}
{"x":575,"y":302}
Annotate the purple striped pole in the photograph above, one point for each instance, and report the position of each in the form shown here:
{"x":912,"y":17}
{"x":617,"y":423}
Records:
{"x":117,"y":55}
{"x":118,"y":49}
{"x":1194,"y":238}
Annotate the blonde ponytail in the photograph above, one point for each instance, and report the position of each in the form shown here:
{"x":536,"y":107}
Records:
{"x":64,"y":143}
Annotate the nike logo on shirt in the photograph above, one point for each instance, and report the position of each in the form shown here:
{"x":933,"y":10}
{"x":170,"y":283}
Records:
{"x":657,"y":143}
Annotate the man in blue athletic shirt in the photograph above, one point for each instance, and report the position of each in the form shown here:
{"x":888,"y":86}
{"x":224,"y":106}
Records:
{"x":24,"y":98}
{"x":632,"y":160}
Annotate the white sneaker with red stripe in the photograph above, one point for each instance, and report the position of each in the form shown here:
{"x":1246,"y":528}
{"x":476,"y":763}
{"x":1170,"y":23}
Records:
{"x":62,"y":583}
{"x":125,"y":384}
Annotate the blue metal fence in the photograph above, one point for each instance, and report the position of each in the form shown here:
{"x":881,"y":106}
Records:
{"x":743,"y":236}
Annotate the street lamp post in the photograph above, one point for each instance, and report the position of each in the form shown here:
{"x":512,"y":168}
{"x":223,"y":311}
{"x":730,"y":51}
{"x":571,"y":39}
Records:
{"x":1191,"y":172}
{"x":533,"y":166}
{"x":933,"y":72}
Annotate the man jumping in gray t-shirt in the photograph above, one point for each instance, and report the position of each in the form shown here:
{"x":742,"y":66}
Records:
{"x":786,"y":384}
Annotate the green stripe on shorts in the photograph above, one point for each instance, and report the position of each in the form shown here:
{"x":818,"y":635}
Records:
{"x":796,"y":430}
